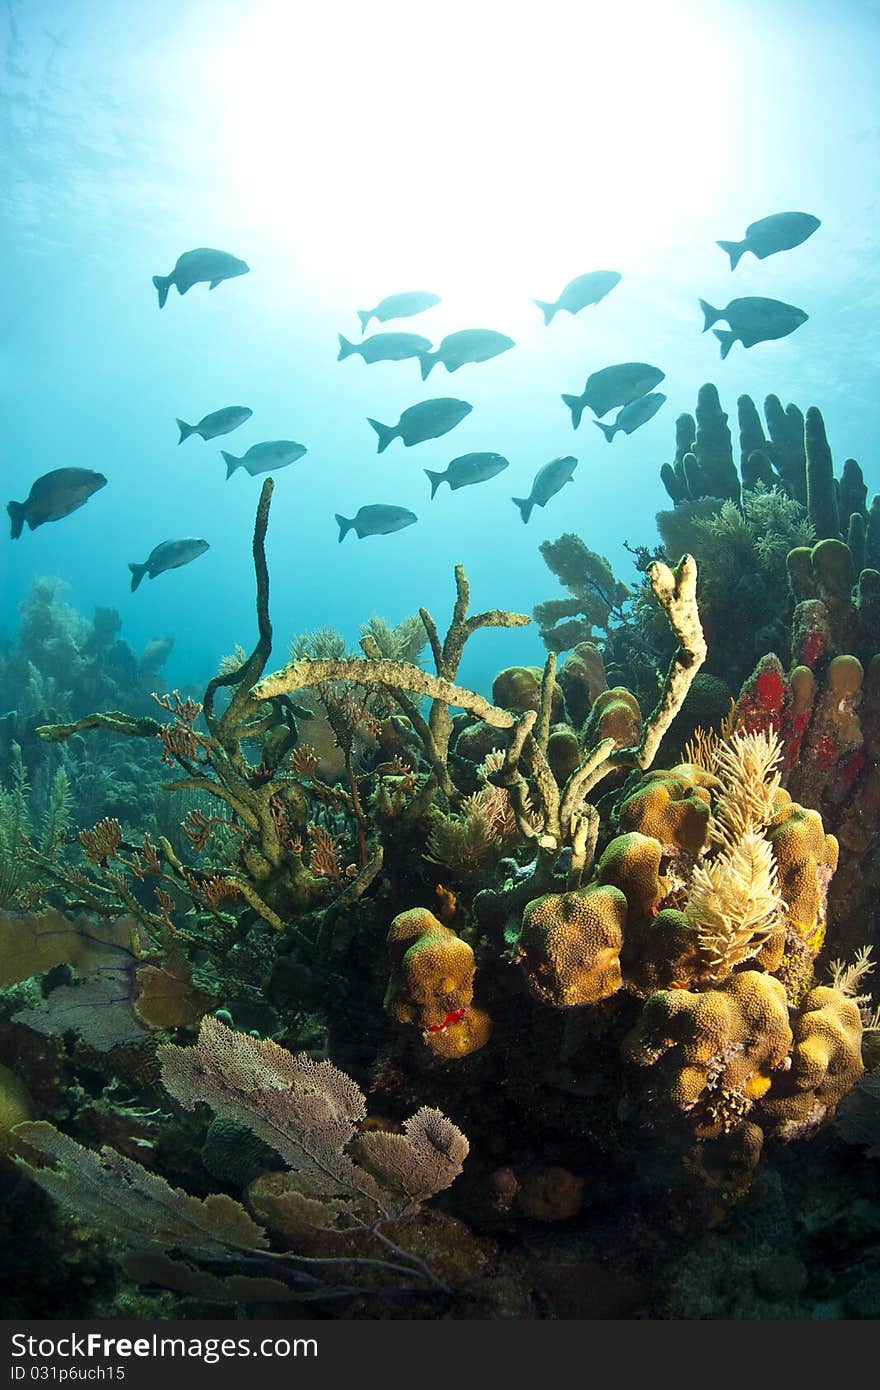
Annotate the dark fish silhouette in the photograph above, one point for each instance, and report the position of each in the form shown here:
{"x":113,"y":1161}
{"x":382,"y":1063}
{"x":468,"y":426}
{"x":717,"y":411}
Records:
{"x":752,"y":320}
{"x":53,"y":496}
{"x":614,"y":386}
{"x":578,"y":293}
{"x":469,"y":345}
{"x":262,"y":458}
{"x":198,"y":267}
{"x":466,"y":470}
{"x":155,"y":653}
{"x":378,"y":519}
{"x":170,"y":555}
{"x":398,"y":306}
{"x":780,"y":232}
{"x":548,"y":481}
{"x":427,"y":420}
{"x":385,"y":347}
{"x":631,"y":416}
{"x":218,"y":422}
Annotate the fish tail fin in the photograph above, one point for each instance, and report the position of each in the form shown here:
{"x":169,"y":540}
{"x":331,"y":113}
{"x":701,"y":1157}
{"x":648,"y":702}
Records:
{"x":345,"y":348}
{"x":231,"y":463}
{"x":385,"y":432}
{"x":344,"y":525}
{"x":163,"y":285}
{"x":548,"y":310}
{"x":726,"y":338}
{"x":16,"y":516}
{"x":609,"y":431}
{"x":734,"y":249}
{"x":525,"y":505}
{"x":576,"y":406}
{"x":710,"y":315}
{"x":427,"y":362}
{"x":137,"y":574}
{"x":436,"y":479}
{"x":364,"y":315}
{"x":185,"y":430}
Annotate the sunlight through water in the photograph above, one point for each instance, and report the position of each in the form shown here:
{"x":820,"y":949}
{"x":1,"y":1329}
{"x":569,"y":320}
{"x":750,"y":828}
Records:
{"x":484,"y":143}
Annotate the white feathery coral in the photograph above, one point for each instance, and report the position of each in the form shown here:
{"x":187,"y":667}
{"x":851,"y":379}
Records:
{"x":734,"y":900}
{"x":748,"y":767}
{"x":735,"y":904}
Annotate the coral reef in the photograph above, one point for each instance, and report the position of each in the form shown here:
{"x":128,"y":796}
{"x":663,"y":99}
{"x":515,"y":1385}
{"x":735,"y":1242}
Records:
{"x":585,"y":920}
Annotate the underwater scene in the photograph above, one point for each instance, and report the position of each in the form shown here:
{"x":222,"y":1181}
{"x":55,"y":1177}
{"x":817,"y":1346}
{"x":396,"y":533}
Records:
{"x":440,"y":660}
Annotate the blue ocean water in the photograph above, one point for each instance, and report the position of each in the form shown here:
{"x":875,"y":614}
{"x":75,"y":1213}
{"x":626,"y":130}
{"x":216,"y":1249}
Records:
{"x":482,"y":152}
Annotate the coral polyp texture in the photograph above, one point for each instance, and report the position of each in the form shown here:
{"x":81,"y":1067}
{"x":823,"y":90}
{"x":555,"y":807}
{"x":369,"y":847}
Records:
{"x":569,"y":946}
{"x":431,"y":984}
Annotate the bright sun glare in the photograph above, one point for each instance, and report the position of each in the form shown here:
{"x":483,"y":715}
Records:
{"x":481,"y":140}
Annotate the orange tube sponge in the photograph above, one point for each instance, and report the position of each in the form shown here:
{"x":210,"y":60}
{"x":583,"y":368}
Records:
{"x":719,"y":1047}
{"x":569,"y":945}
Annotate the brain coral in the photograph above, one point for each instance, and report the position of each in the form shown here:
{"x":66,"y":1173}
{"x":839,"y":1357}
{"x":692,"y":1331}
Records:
{"x":569,"y":945}
{"x":615,"y":714}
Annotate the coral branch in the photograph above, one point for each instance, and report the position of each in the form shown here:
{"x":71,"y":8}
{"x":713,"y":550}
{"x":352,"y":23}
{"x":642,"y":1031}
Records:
{"x":676,"y":592}
{"x":300,"y":675}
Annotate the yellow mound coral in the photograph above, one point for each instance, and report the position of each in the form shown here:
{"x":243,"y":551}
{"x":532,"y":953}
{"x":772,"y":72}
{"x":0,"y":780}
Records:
{"x":806,"y":859}
{"x":615,"y":714}
{"x":671,"y":806}
{"x":826,"y":1063}
{"x":632,"y":864}
{"x":15,"y":1106}
{"x":719,"y":1046}
{"x":458,"y":1037}
{"x":661,"y":952}
{"x":569,"y":945}
{"x":432,"y":970}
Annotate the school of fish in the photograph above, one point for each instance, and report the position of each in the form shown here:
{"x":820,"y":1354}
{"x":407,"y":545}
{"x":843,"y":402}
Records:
{"x":629,"y":386}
